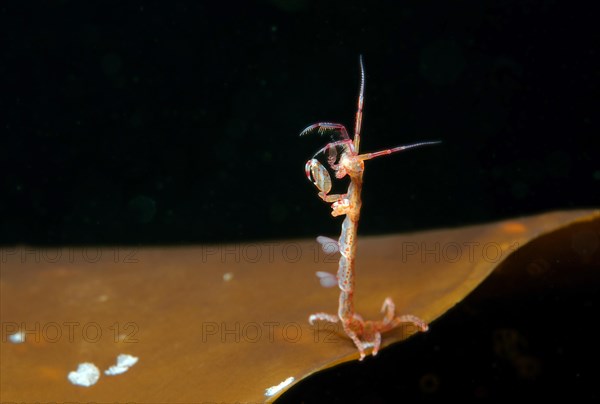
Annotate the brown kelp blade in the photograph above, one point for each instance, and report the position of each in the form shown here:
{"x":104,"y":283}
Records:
{"x":227,"y":322}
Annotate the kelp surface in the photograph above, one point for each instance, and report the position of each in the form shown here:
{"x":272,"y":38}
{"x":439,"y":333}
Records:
{"x":224,"y":323}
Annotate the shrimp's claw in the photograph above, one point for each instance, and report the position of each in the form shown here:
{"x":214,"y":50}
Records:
{"x":318,"y":175}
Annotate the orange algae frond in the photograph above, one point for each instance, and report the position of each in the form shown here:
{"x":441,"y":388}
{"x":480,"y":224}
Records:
{"x":209,"y":333}
{"x":514,"y":227}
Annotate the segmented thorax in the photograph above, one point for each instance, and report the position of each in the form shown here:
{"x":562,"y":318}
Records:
{"x":351,"y":164}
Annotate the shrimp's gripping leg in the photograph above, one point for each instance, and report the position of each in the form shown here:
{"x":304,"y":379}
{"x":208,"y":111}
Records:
{"x":389,"y":319}
{"x":323,"y":317}
{"x":367,"y":334}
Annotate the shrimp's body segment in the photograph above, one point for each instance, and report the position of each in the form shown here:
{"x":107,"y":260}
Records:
{"x":343,"y":159}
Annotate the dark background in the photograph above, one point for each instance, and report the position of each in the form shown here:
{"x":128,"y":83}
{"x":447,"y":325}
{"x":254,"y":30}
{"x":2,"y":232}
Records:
{"x":177,"y":122}
{"x":149,"y":122}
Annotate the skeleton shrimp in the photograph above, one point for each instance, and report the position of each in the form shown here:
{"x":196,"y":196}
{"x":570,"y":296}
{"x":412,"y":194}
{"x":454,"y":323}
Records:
{"x":343,"y":158}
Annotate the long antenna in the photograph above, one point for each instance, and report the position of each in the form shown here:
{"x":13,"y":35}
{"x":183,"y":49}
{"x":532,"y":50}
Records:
{"x":369,"y":156}
{"x":361,"y":97}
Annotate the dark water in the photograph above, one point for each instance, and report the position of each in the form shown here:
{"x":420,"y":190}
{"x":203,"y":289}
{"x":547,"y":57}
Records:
{"x":177,"y":122}
{"x":149,"y":122}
